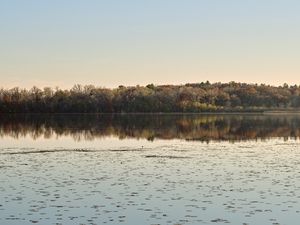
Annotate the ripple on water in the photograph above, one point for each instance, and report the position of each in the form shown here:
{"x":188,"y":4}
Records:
{"x":189,"y":183}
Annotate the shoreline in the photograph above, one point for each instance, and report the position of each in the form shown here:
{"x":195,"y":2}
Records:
{"x":276,"y":112}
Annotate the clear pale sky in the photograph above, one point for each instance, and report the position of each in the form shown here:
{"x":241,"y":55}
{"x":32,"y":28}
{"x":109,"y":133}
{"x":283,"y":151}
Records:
{"x":129,"y":42}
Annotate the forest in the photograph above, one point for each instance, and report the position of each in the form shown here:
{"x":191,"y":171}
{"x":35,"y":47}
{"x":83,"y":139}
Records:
{"x":188,"y":98}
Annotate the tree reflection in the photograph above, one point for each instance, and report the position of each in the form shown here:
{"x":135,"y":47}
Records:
{"x":202,"y":128}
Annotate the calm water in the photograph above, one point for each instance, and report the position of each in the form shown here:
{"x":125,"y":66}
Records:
{"x":135,"y":169}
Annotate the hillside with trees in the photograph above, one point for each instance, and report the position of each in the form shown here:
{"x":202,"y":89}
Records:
{"x":188,"y":98}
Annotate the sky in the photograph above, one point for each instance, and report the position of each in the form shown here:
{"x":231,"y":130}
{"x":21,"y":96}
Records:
{"x":137,"y":42}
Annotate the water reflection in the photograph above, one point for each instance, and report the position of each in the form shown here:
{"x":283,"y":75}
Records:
{"x":142,"y":182}
{"x":202,"y":128}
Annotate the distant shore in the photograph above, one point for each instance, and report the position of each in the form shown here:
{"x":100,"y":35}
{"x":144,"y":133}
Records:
{"x":194,"y":98}
{"x":282,"y":112}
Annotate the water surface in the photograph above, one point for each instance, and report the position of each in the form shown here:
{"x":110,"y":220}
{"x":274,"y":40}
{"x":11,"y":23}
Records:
{"x":137,"y":169}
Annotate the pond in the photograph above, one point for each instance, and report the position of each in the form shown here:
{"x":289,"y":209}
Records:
{"x":149,"y":169}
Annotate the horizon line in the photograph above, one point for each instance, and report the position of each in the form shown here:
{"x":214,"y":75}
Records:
{"x":145,"y":85}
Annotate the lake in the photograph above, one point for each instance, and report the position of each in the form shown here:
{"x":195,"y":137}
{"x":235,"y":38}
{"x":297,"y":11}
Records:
{"x":149,"y":169}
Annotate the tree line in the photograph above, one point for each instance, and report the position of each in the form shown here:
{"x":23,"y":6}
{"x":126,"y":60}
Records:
{"x":190,"y":98}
